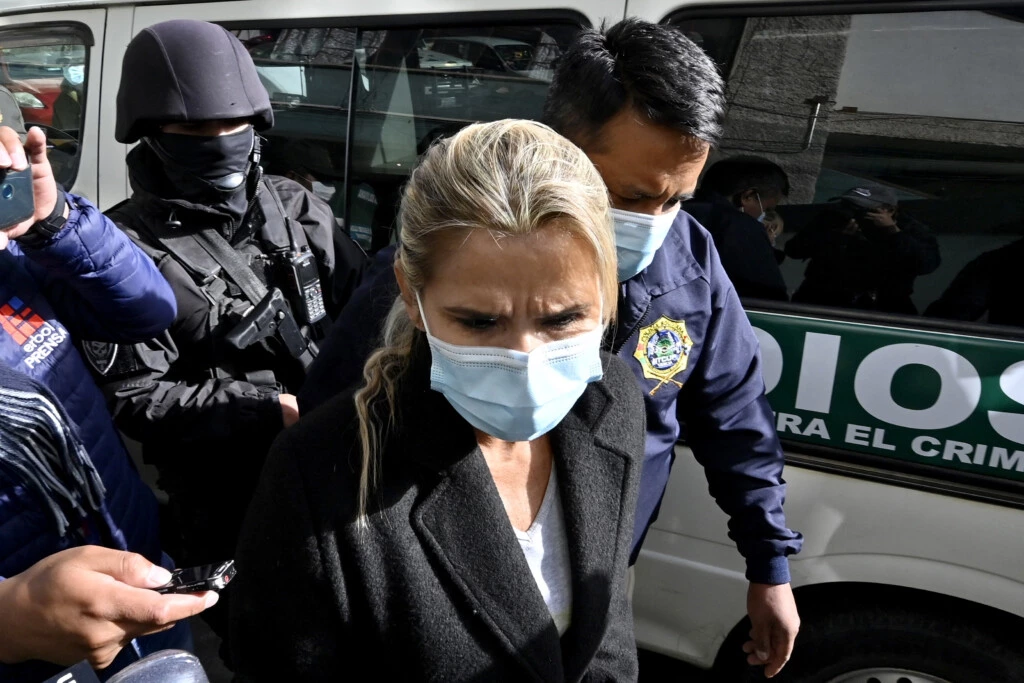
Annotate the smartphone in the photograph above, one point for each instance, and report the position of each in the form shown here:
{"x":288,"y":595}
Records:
{"x":16,"y":201}
{"x":208,"y":577}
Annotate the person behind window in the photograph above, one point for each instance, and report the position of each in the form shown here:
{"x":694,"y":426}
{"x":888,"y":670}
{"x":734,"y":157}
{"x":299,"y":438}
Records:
{"x":67,"y":108}
{"x":733,"y":203}
{"x":80,"y":547}
{"x":681,"y":328}
{"x":466,"y":514}
{"x":990,"y":284}
{"x":864,"y":253}
{"x":207,"y":398}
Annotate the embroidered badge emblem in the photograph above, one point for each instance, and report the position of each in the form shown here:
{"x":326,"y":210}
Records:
{"x":663,"y":351}
{"x":101,"y":355}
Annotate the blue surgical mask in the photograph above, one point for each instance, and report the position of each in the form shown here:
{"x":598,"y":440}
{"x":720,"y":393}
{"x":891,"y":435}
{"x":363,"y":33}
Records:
{"x":75,"y":75}
{"x":513,"y":395}
{"x":638,"y":236}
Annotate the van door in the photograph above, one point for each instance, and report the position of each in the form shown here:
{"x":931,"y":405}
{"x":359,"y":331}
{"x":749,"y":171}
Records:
{"x":50,"y":62}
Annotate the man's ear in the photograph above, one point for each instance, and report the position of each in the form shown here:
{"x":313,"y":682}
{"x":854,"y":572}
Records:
{"x":748,"y":201}
{"x":412,"y":308}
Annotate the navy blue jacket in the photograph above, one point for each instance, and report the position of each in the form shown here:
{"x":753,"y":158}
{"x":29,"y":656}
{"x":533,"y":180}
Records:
{"x":88,"y":283}
{"x":718,"y":395}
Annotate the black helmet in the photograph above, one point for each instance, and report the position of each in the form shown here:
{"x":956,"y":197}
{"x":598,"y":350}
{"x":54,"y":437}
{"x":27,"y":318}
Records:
{"x":186,"y":70}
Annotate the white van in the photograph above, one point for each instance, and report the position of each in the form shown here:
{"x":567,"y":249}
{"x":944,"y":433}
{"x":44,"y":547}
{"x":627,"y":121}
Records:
{"x":904,"y":433}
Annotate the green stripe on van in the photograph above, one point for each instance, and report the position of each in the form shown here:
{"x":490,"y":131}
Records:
{"x":939,"y":399}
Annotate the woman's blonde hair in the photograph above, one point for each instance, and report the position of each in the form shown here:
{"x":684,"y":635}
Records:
{"x":509,"y":177}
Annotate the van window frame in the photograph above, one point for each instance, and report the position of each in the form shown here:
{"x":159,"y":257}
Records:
{"x":57,"y":30}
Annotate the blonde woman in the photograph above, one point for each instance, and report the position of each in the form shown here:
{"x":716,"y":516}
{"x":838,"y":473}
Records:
{"x":467,"y":514}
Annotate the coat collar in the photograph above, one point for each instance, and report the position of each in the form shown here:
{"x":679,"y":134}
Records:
{"x":461,"y":504}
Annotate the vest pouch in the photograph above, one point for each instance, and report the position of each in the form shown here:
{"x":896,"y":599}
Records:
{"x":262,"y":378}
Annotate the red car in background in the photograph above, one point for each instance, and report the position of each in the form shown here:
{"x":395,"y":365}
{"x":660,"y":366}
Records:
{"x":36,"y":99}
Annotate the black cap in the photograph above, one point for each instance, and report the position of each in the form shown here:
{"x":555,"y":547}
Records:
{"x":869,"y":196}
{"x":10,"y":113}
{"x":187,"y":70}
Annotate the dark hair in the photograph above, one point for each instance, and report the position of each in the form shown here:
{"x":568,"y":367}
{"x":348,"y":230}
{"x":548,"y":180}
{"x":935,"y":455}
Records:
{"x":731,"y":176}
{"x":653,"y":68}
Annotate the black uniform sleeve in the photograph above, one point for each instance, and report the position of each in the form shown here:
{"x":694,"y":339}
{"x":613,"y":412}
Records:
{"x":147,"y":399}
{"x":148,"y":407}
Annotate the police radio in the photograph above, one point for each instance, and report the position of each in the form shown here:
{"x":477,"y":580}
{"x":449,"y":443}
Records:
{"x":300,"y":279}
{"x":301,"y":283}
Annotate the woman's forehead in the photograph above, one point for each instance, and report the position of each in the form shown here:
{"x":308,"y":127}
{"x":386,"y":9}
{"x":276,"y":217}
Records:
{"x":538,"y":264}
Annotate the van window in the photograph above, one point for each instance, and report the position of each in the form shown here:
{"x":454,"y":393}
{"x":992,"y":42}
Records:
{"x":417,"y":85}
{"x":46,"y":70}
{"x":902,"y":136}
{"x":307,"y":72}
{"x":412,"y":86}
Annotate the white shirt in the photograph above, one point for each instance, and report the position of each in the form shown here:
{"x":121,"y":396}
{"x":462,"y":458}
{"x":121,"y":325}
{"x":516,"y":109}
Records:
{"x":546,"y":548}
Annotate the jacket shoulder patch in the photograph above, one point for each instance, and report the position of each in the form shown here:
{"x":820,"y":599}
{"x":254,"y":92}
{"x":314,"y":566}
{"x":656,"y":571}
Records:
{"x":110,"y":359}
{"x":663,"y":350}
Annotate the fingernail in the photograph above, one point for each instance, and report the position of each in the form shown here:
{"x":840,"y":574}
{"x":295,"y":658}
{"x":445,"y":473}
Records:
{"x":211,"y":598}
{"x":762,"y":655}
{"x":158,"y":576}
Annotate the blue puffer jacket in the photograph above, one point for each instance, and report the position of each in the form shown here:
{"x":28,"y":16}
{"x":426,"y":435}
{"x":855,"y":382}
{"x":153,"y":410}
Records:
{"x":88,"y":283}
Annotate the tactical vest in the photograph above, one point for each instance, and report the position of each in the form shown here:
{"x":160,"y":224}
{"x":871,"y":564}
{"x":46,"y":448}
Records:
{"x":233,"y":281}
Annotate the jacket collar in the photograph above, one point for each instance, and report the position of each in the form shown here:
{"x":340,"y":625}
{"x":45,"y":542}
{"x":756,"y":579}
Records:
{"x":674,"y":264}
{"x":461,"y":503}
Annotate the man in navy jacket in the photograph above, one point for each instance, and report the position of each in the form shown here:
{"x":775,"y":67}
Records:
{"x":646,"y":104}
{"x":78,"y":588}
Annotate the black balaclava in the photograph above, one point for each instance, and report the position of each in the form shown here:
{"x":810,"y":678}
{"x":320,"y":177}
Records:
{"x":208,"y":172}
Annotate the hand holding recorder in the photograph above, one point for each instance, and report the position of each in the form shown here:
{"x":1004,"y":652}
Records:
{"x":88,"y":603}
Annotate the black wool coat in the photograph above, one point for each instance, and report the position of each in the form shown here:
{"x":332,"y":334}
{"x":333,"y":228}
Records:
{"x":436,"y":587}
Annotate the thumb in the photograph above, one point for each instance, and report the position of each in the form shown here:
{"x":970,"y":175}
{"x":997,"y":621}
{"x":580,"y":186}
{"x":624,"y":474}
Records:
{"x":35,"y":147}
{"x":129,"y":568}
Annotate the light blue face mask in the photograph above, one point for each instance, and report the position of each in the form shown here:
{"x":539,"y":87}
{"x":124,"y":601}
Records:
{"x":638,"y":236}
{"x":75,"y":75}
{"x":513,"y":395}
